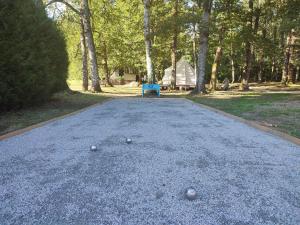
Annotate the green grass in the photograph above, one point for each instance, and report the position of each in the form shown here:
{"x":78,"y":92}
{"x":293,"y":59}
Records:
{"x":117,"y":90}
{"x":279,"y":110}
{"x":60,"y":104}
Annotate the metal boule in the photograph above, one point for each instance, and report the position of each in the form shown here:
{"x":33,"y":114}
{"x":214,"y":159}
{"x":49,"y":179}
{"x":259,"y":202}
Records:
{"x":190,"y":193}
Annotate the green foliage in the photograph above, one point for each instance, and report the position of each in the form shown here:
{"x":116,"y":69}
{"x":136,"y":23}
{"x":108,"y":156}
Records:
{"x":33,"y":60}
{"x":118,"y":28}
{"x":118,"y":33}
{"x":70,"y":26}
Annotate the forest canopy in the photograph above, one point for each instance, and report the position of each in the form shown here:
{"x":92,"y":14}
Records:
{"x":248,"y":41}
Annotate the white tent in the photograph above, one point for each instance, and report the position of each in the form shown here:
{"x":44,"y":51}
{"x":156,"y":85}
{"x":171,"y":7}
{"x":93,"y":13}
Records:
{"x":185,"y":74}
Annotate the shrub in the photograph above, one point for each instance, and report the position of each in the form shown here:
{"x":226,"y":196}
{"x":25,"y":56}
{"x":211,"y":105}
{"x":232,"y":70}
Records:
{"x":33,"y":57}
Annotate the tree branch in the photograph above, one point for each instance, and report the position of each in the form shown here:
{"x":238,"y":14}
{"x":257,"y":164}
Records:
{"x":66,"y":3}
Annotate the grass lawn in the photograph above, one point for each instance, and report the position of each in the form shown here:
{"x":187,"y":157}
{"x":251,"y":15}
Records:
{"x":281,"y":111}
{"x":60,"y":104}
{"x":117,"y":90}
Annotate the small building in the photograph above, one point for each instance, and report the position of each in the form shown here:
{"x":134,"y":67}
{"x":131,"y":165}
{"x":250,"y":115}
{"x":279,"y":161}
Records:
{"x":185,"y":75}
{"x":120,"y":77}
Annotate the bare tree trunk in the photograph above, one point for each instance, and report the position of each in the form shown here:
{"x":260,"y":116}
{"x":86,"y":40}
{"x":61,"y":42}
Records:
{"x":107,"y":73}
{"x":273,"y":70}
{"x":174,"y":46}
{"x":232,"y":71}
{"x":90,"y":45}
{"x":85,"y":74}
{"x":195,"y":49}
{"x":232,"y":64}
{"x":261,"y":67}
{"x":292,"y":68}
{"x":261,"y":60}
{"x":244,"y":85}
{"x":297,"y":73}
{"x":273,"y":67}
{"x":215,"y":67}
{"x":217,"y":60}
{"x":203,"y":46}
{"x":287,"y":54}
{"x":147,"y":35}
{"x":291,"y":73}
{"x":247,"y":71}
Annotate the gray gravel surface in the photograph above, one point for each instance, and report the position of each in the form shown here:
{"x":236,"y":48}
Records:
{"x":242,"y":175}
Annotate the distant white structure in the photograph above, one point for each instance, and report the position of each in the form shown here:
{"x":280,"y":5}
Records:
{"x":126,"y":78}
{"x":185,"y":75}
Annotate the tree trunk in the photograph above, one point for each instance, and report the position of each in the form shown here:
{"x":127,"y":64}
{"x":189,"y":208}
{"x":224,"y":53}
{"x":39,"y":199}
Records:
{"x":292,"y":68}
{"x":107,"y":73}
{"x":261,"y":60}
{"x":286,"y":66}
{"x":291,"y":74}
{"x":217,"y":60}
{"x":232,"y":70}
{"x":195,"y":50}
{"x":244,"y":85}
{"x":297,"y":74}
{"x":85,"y":74}
{"x":247,"y":70}
{"x":261,"y":68}
{"x":273,"y":70}
{"x":203,"y":47}
{"x":147,"y":35}
{"x":174,"y":45}
{"x":215,"y":67}
{"x":232,"y":64}
{"x":90,"y":45}
{"x":273,"y":67}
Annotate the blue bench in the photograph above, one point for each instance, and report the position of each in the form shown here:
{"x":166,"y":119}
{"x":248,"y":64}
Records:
{"x":155,"y":87}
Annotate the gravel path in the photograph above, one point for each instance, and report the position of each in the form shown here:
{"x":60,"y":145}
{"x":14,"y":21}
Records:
{"x":242,"y":175}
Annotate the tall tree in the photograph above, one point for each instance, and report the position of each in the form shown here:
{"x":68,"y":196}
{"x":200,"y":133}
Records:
{"x":262,"y":55}
{"x":106,"y":69}
{"x":244,"y":85}
{"x":289,"y":12}
{"x":217,"y":60}
{"x":104,"y":20}
{"x":147,"y":35}
{"x":174,"y":44}
{"x":85,"y":75}
{"x":85,"y":12}
{"x":203,"y":45}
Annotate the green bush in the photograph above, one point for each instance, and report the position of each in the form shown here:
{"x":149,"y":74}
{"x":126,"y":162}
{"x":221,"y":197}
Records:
{"x":33,"y":57}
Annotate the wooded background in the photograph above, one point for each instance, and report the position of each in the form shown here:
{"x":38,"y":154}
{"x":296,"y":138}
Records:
{"x":244,"y":41}
{"x":247,"y":40}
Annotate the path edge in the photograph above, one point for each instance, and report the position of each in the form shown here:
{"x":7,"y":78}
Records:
{"x":250,"y":123}
{"x":37,"y":125}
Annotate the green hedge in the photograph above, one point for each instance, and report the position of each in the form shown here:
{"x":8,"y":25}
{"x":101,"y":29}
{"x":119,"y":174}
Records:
{"x":33,"y":57}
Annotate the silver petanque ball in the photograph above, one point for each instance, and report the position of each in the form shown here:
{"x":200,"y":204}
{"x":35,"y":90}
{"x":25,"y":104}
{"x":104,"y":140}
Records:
{"x":190,"y":193}
{"x":93,"y":148}
{"x":128,"y":140}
